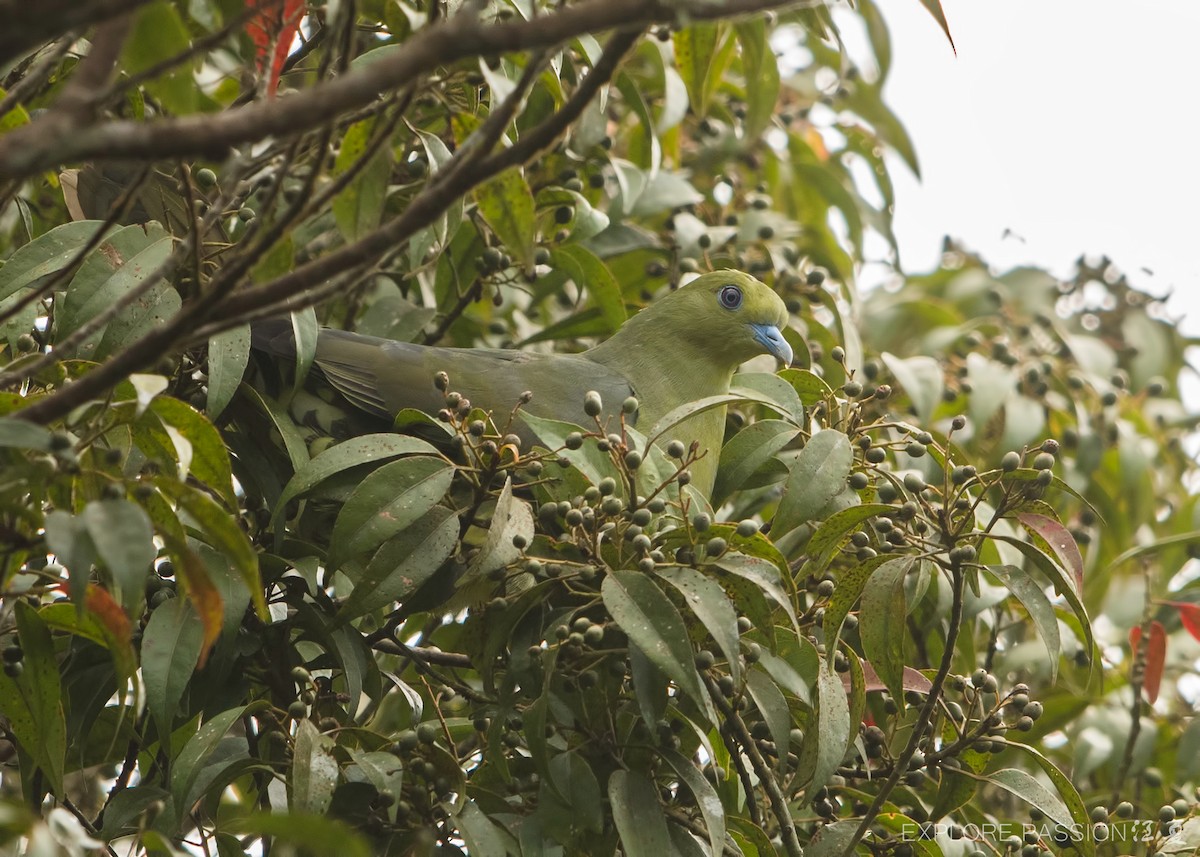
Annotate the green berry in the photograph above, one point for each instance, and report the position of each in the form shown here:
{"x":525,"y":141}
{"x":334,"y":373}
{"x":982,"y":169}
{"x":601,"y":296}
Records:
{"x":1011,"y":461}
{"x":592,"y":404}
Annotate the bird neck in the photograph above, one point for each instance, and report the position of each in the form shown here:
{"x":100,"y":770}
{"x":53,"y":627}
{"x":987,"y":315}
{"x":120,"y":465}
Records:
{"x":665,"y":372}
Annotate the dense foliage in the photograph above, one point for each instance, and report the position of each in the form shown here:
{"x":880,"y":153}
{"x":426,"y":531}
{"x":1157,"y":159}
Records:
{"x":942,"y":599}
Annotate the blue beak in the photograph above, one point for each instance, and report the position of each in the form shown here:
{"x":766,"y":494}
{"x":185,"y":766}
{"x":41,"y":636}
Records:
{"x":771,"y":339}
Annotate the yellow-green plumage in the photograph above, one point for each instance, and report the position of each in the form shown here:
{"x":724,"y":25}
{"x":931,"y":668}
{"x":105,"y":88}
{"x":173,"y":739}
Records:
{"x":683,"y":347}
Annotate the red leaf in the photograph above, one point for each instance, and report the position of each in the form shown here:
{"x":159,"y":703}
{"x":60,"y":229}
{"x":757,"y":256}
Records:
{"x":275,"y":24}
{"x":1189,"y":615}
{"x":108,"y":613}
{"x":205,"y":597}
{"x":1061,"y":542}
{"x":910,"y":680}
{"x":1156,"y":657}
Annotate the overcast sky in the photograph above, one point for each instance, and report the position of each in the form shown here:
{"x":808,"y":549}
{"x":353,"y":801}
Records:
{"x":1074,"y":124}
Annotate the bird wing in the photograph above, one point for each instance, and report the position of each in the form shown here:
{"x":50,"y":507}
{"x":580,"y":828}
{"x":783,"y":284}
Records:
{"x":381,"y":376}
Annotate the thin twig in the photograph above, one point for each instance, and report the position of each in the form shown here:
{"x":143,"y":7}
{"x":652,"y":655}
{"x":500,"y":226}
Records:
{"x":32,"y":80}
{"x":766,"y":777}
{"x":925,"y":717}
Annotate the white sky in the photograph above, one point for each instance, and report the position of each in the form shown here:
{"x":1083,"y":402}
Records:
{"x":1073,"y":123}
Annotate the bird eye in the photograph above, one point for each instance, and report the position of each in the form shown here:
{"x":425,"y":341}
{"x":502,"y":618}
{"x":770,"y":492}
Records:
{"x":730,"y":297}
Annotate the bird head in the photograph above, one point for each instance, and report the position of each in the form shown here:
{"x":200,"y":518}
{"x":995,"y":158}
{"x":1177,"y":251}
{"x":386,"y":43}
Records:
{"x":731,"y":314}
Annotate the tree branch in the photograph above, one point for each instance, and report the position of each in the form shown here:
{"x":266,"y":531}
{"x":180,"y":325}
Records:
{"x":451,"y":183}
{"x":27,"y":25}
{"x":27,"y":151}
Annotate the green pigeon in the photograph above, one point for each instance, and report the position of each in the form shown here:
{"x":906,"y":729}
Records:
{"x":684,"y":347}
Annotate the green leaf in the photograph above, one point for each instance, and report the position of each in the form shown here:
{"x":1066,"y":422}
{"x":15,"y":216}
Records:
{"x":293,"y":441}
{"x":210,"y":458}
{"x":358,"y":208}
{"x":45,"y":255}
{"x":747,"y":451}
{"x":122,"y":263}
{"x":387,"y":501}
{"x":479,"y":834}
{"x":830,"y":536}
{"x":638,"y":814}
{"x":673,"y":418}
{"x":223,"y":534}
{"x":152,"y":309}
{"x":228,"y":354}
{"x":506,"y":204}
{"x":707,"y":600}
{"x":760,"y":68}
{"x":644,"y":146}
{"x":124,"y":540}
{"x":195,"y":753}
{"x":512,"y":519}
{"x":850,"y":584}
{"x":935,"y":9}
{"x":818,"y":475}
{"x":312,"y":834}
{"x":32,"y":701}
{"x":67,"y":538}
{"x":832,"y":734}
{"x":1022,"y":785}
{"x":305,"y":332}
{"x":588,"y":221}
{"x":706,"y":797}
{"x":350,"y":453}
{"x":403,"y":563}
{"x":585,"y":268}
{"x":569,"y":799}
{"x":922,"y":378}
{"x":653,"y":624}
{"x":762,"y":573}
{"x":1040,"y":610}
{"x":882,"y":623}
{"x":159,"y":34}
{"x":1063,"y":582}
{"x":22,"y":434}
{"x":1067,"y":793}
{"x":773,"y":707}
{"x":1188,"y":538}
{"x":277,"y":261}
{"x":832,"y":839}
{"x":1060,"y":541}
{"x":171,"y":647}
{"x":588,"y":459}
{"x":314,"y":770}
{"x":809,"y":387}
{"x":15,"y":117}
{"x":695,"y":51}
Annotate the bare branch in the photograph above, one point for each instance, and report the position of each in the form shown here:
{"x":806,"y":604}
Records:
{"x":439,"y":44}
{"x":450,"y":184}
{"x":27,"y":25}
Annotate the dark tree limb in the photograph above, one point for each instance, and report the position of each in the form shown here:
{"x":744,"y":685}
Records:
{"x":27,"y":25}
{"x":26,"y":151}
